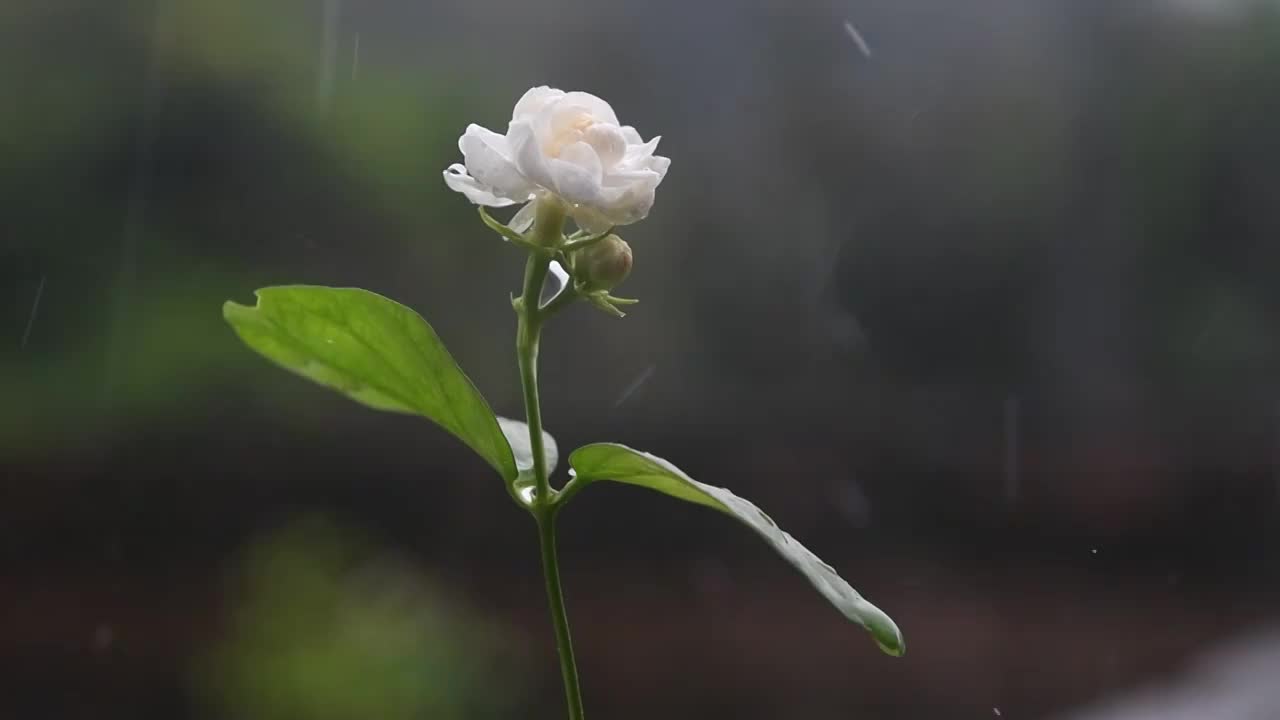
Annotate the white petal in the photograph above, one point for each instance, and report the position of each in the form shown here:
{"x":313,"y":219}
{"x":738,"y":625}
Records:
{"x":659,"y":164}
{"x":528,"y":156}
{"x":558,"y":271}
{"x":609,"y":142}
{"x":641,"y":151}
{"x":523,"y":219}
{"x":488,"y":159}
{"x":558,"y":281}
{"x":633,"y":137}
{"x":598,"y":108}
{"x":563,"y":123}
{"x":457,"y":179}
{"x":534,"y":100}
{"x":577,"y":173}
{"x":626,"y":198}
{"x":584,"y":156}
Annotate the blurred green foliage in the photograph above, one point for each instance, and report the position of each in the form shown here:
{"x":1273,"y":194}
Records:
{"x":152,"y":173}
{"x":170,"y":155}
{"x":323,"y":627}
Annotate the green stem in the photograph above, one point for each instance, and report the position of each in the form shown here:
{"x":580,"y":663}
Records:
{"x":546,"y":517}
{"x":548,"y":231}
{"x":528,"y":334}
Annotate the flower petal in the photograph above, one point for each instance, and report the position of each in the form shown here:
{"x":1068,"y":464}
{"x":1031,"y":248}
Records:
{"x":527,"y":155}
{"x":659,"y":164}
{"x":627,"y":197}
{"x":532,"y":102}
{"x":458,"y":180}
{"x":637,"y":152}
{"x":488,"y":159}
{"x":599,"y":109}
{"x":560,"y":277}
{"x":577,"y":173}
{"x":608,"y":141}
{"x":523,"y":219}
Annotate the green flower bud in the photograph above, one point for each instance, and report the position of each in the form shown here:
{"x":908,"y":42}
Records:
{"x":603,"y":265}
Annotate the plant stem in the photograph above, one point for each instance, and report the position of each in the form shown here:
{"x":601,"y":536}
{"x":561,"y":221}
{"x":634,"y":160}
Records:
{"x":528,"y":334}
{"x":548,"y":228}
{"x":546,"y":517}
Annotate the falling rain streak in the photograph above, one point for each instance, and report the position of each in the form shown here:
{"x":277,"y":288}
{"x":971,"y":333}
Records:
{"x":631,"y":389}
{"x":355,"y":58}
{"x":1011,"y":479}
{"x":136,"y":206}
{"x":328,"y":55}
{"x":856,"y":37}
{"x":35,"y":307}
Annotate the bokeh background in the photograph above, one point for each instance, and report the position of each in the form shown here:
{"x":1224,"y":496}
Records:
{"x":985,"y":312}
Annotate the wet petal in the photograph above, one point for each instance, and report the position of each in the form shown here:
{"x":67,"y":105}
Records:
{"x":458,"y":180}
{"x":598,"y":108}
{"x":523,"y":219}
{"x":659,"y":164}
{"x":637,"y":152}
{"x":528,"y":156}
{"x":627,"y":197}
{"x":532,"y":102}
{"x":488,"y":160}
{"x":608,"y":142}
{"x":577,"y":173}
{"x":557,"y":281}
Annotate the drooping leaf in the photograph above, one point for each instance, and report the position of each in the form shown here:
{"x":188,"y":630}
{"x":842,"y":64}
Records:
{"x":375,"y":351}
{"x":609,"y":461}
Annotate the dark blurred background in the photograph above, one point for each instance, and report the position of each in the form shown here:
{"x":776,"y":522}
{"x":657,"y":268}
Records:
{"x":985,"y":313}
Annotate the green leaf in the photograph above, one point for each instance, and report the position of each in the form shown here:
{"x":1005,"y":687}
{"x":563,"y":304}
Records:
{"x":375,"y":351}
{"x":609,"y":461}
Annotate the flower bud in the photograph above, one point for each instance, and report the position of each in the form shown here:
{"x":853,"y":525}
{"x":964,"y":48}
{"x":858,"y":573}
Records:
{"x":605,"y":264}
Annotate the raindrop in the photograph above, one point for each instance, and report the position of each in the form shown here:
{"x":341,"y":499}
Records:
{"x":995,"y":711}
{"x":527,"y":493}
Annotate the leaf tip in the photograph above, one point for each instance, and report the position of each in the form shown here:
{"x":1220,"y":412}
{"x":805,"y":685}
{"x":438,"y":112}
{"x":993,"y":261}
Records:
{"x":232,"y":309}
{"x":884,"y":631}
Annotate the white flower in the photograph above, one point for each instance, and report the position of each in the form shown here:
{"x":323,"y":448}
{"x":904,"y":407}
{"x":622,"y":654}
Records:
{"x":567,"y":145}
